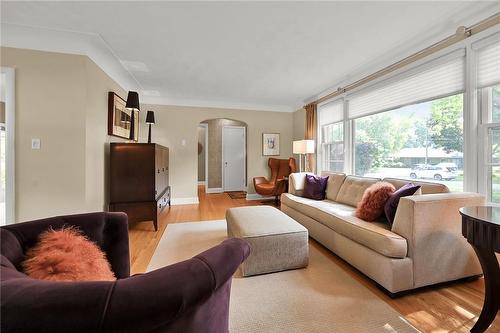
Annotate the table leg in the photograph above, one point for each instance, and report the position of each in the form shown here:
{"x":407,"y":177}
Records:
{"x":491,"y":272}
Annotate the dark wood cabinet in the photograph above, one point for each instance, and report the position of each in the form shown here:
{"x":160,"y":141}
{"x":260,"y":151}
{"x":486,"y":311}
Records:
{"x":139,"y":181}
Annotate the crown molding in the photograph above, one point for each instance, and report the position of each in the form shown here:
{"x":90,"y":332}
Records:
{"x":160,"y":100}
{"x":95,"y":47}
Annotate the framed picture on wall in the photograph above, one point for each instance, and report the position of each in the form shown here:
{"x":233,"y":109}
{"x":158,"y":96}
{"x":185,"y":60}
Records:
{"x":119,"y":118}
{"x":270,"y":144}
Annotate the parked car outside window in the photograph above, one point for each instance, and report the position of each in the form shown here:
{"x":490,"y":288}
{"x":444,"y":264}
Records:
{"x":446,"y":171}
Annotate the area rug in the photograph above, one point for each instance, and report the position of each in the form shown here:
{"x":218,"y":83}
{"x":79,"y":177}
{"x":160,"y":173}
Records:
{"x":320,"y":298}
{"x":237,"y":195}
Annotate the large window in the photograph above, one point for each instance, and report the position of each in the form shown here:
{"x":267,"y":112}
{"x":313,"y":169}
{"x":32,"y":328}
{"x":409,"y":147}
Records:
{"x":414,"y":124}
{"x":422,"y":141}
{"x":489,"y":102}
{"x":488,"y":93}
{"x":332,"y":147}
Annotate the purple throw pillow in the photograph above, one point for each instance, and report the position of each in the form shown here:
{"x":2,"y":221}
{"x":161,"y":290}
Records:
{"x":315,"y":187}
{"x":392,"y":203}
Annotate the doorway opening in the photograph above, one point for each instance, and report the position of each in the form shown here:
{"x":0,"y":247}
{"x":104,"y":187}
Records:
{"x":7,"y":113}
{"x":222,"y":156}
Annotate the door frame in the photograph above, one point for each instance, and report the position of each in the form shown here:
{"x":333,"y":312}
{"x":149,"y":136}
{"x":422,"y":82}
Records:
{"x":10,"y":158}
{"x":205,"y":147}
{"x":244,"y":154}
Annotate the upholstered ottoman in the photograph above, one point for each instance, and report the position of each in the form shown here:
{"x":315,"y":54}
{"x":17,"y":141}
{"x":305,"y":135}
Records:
{"x":277,"y":241}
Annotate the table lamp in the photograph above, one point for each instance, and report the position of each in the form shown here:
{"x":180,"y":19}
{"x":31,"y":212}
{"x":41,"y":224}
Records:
{"x":150,"y":119}
{"x":132,"y":105}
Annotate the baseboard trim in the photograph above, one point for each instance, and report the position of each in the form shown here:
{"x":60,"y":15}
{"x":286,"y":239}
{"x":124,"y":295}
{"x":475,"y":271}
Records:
{"x":214,"y":190}
{"x":255,"y":196}
{"x":185,"y":201}
{"x":201,"y":182}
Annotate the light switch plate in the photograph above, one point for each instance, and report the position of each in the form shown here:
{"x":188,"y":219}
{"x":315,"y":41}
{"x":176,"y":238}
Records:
{"x":35,"y":144}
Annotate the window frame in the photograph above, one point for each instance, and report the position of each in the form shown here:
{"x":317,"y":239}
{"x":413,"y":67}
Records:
{"x":321,"y":160}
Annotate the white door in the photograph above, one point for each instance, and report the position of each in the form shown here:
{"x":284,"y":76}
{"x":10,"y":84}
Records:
{"x":233,"y":158}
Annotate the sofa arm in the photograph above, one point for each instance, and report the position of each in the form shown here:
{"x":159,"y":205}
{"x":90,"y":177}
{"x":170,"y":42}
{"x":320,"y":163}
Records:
{"x":148,"y":302}
{"x":108,"y":230}
{"x":296,"y":182}
{"x":432,"y":227}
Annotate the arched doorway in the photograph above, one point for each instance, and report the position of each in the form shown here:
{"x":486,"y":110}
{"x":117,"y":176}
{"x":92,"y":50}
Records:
{"x":222,"y":158}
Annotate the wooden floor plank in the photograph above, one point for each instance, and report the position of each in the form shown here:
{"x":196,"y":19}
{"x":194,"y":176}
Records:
{"x":453,"y":307}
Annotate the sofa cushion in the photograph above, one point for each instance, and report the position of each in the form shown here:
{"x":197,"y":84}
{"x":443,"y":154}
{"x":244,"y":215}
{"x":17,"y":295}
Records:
{"x":391,"y":205}
{"x":335,"y":181}
{"x":296,"y":182}
{"x":340,"y":218}
{"x":426,"y":187}
{"x":371,"y":206}
{"x":352,"y":189}
{"x":67,"y":255}
{"x":315,"y":187}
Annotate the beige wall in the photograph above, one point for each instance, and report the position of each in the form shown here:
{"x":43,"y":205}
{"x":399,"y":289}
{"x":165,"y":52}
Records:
{"x":96,"y":136}
{"x":201,"y":156}
{"x":215,"y":149}
{"x":62,"y":100}
{"x":299,"y":128}
{"x":176,"y":123}
{"x":299,"y":124}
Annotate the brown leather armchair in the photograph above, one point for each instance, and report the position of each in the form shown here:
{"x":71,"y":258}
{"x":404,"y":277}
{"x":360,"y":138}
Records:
{"x":280,"y":170}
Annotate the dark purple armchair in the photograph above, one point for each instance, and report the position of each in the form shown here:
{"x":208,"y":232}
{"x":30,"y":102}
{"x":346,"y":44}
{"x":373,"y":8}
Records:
{"x":190,"y":296}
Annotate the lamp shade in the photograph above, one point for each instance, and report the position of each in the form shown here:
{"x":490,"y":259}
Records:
{"x":309,"y":144}
{"x":303,"y":147}
{"x":132,"y":101}
{"x":150,"y":117}
{"x":299,"y":147}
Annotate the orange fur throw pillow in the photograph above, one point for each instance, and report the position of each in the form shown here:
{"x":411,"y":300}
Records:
{"x":371,"y":206}
{"x":67,"y":255}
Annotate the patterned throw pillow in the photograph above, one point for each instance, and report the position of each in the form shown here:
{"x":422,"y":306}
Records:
{"x":67,"y":255}
{"x":371,"y":206}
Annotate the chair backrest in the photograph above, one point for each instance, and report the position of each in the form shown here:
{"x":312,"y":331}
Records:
{"x":281,"y":168}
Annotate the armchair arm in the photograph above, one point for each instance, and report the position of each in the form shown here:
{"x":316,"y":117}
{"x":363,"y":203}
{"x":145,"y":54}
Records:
{"x":259,"y":180}
{"x":157,"y":299}
{"x":432,"y":227}
{"x":108,"y":230}
{"x":32,"y":306}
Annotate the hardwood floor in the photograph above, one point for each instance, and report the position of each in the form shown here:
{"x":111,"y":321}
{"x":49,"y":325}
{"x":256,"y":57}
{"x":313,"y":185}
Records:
{"x":453,"y":307}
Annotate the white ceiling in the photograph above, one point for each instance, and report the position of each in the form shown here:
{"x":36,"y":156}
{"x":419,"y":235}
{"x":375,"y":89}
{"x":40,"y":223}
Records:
{"x":259,"y":55}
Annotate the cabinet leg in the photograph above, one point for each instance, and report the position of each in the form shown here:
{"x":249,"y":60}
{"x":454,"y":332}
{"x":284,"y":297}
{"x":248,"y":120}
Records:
{"x":155,"y":223}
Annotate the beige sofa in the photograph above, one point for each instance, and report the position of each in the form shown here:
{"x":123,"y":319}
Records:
{"x":424,"y":246}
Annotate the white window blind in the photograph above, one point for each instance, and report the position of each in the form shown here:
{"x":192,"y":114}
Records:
{"x":488,"y":61}
{"x":438,"y":78}
{"x":331,"y":112}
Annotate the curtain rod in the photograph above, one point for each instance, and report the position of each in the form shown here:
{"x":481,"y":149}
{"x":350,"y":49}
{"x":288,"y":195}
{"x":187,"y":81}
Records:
{"x":461,"y":34}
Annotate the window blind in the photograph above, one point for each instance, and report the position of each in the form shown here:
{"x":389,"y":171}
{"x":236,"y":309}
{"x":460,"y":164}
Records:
{"x":331,"y":112}
{"x":488,"y":61}
{"x":438,"y":78}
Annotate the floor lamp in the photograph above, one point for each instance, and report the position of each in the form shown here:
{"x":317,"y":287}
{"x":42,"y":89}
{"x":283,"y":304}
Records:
{"x":302,"y":148}
{"x":299,"y":148}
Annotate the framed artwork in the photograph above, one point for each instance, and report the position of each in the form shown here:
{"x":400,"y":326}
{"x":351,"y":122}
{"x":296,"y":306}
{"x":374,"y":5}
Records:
{"x":119,"y":118}
{"x":270,"y":144}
